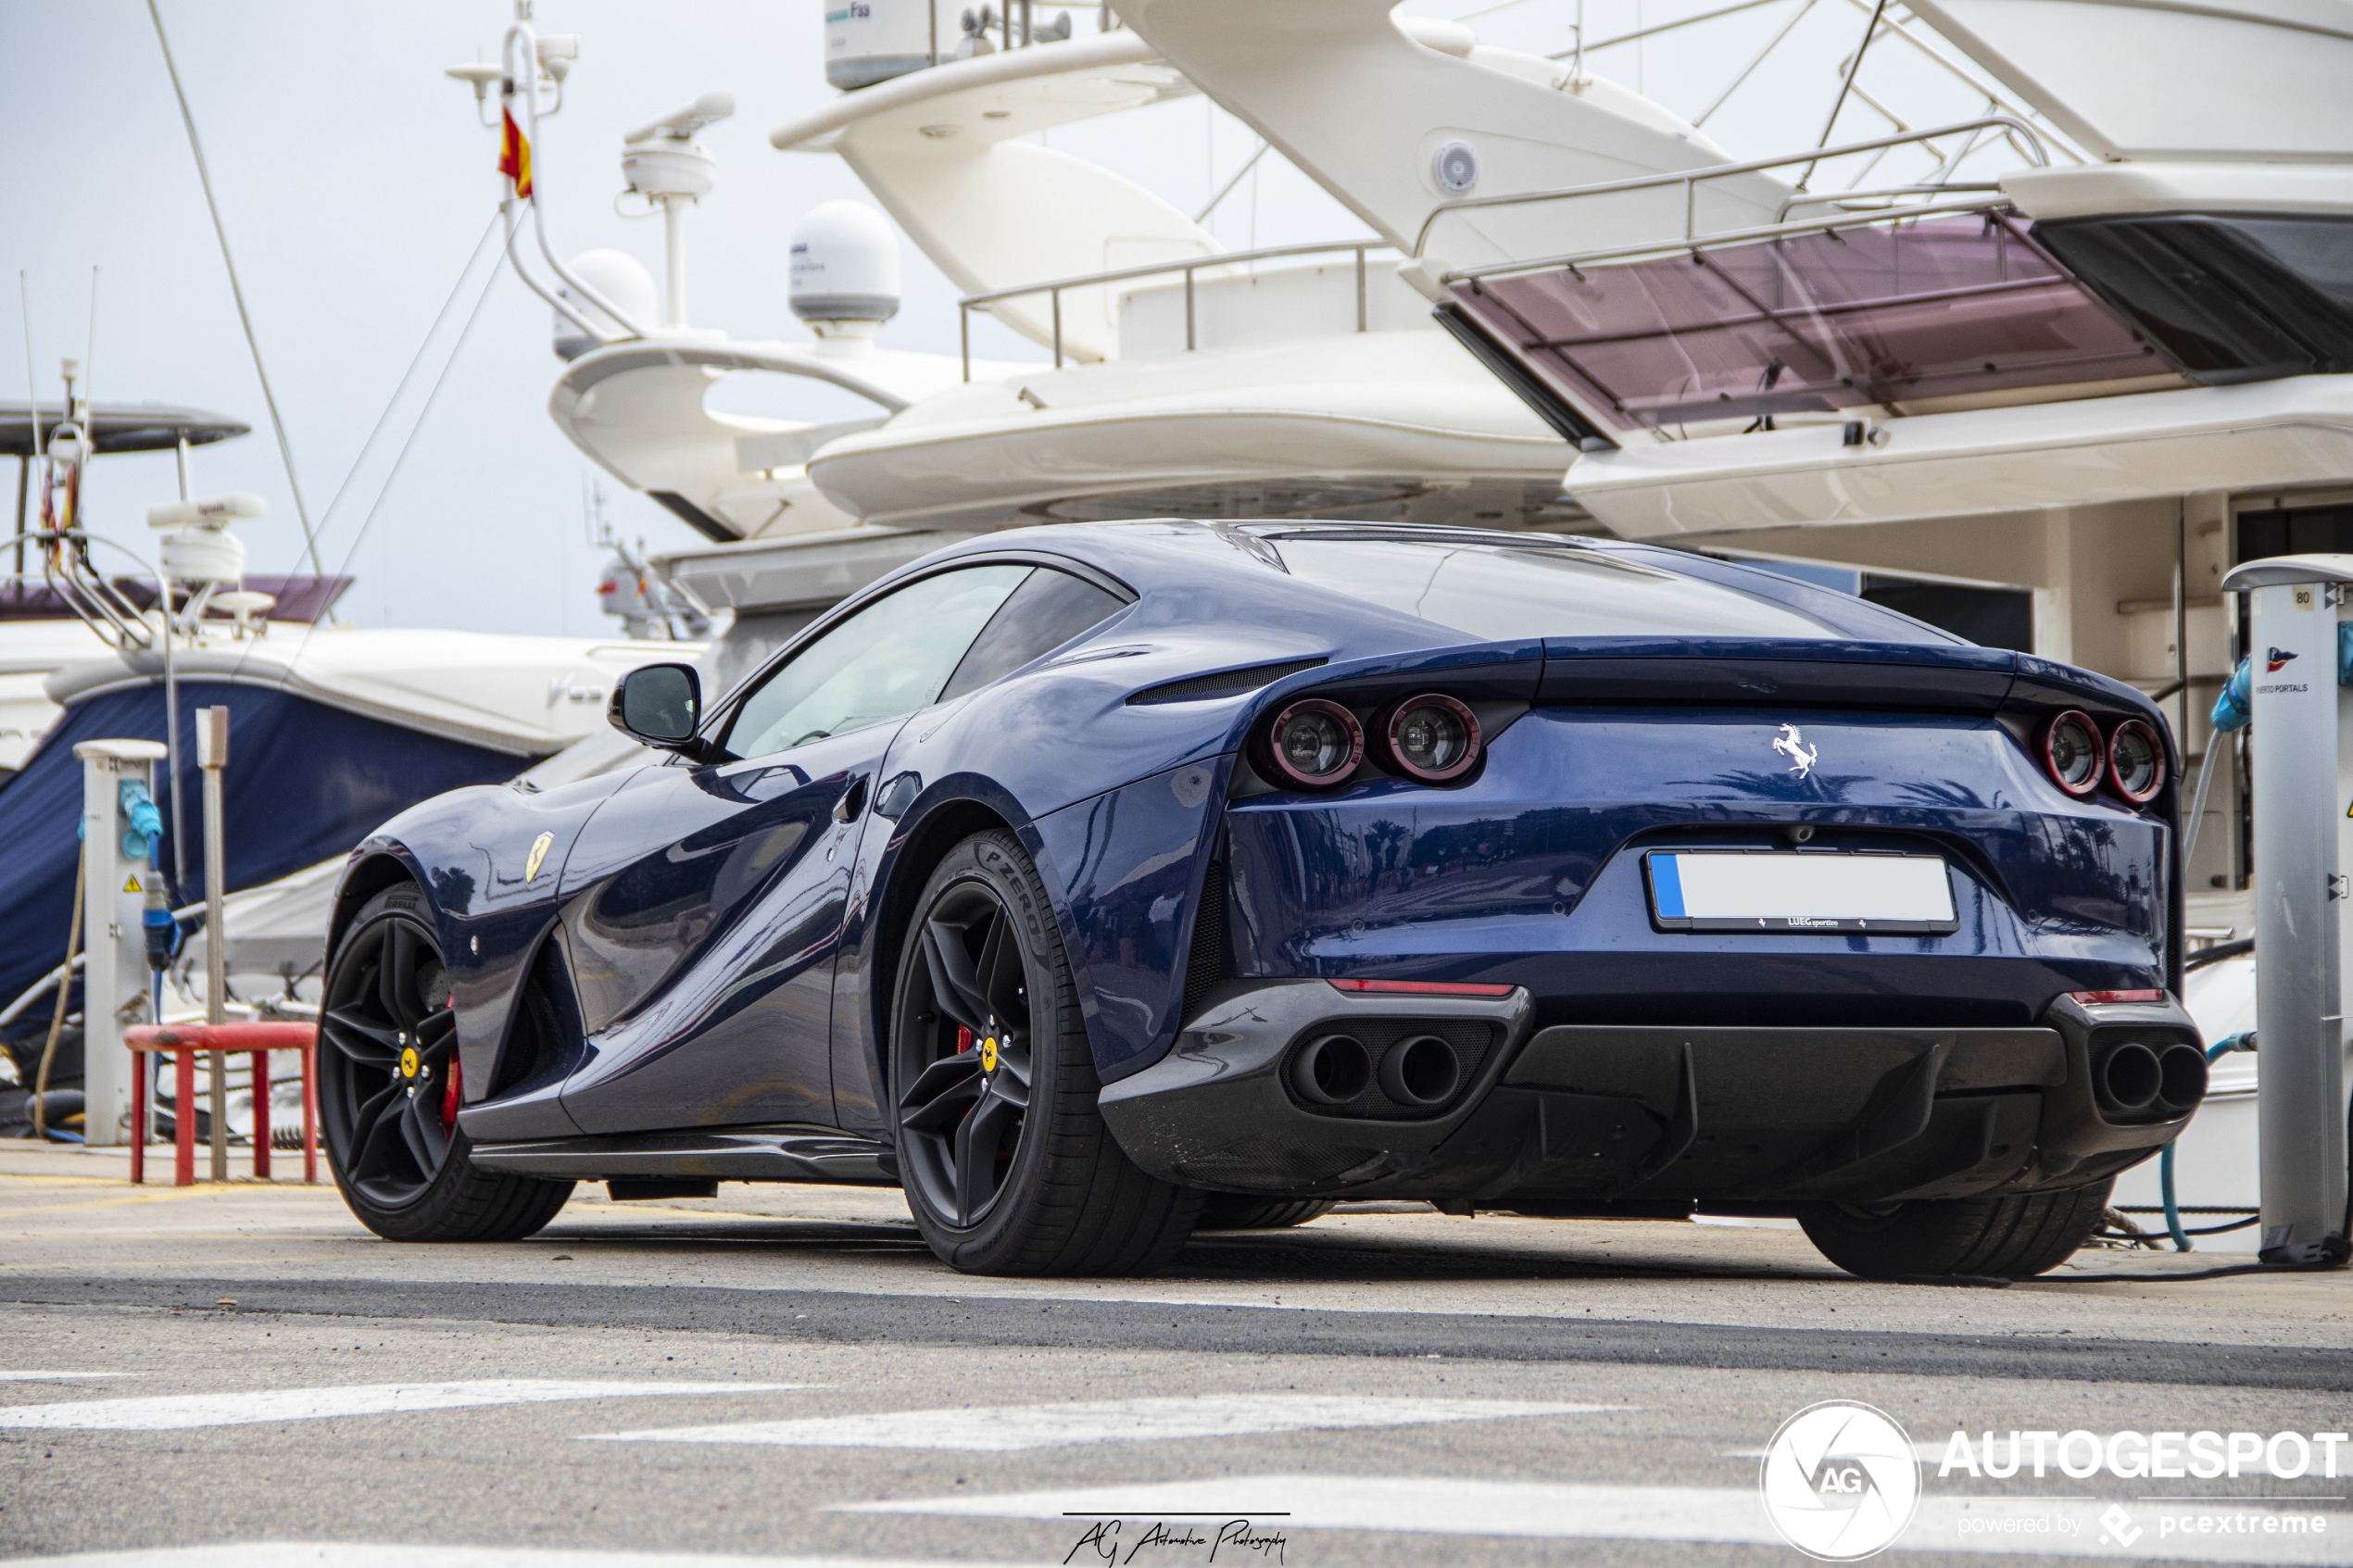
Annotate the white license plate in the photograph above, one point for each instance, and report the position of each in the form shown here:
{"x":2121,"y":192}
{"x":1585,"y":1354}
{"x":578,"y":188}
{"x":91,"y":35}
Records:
{"x":1821,"y":891}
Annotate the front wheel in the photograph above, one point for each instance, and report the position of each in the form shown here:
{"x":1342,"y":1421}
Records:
{"x":2006,"y":1238}
{"x":1006,"y":1160}
{"x":389,"y":1087}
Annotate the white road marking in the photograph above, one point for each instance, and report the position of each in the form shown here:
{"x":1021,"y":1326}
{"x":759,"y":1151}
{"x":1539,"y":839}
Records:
{"x":364,"y":1554}
{"x":172,"y":1413}
{"x":1452,"y":1505}
{"x":1005,"y":1428}
{"x":7,"y":1376}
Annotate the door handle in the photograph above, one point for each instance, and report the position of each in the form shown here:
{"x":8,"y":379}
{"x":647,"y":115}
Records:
{"x":852,"y":801}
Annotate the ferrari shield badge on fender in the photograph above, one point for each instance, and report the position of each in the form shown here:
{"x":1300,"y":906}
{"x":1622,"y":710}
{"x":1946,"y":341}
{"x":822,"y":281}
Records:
{"x":538,"y":854}
{"x":1792,"y":745}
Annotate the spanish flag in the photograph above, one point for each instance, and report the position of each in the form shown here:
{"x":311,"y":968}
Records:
{"x":515,"y":154}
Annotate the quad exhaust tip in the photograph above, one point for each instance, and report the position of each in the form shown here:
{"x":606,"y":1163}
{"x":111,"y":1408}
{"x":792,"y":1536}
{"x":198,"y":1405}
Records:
{"x":2129,"y":1077}
{"x":2133,"y":1079}
{"x":1332,"y":1071}
{"x":2181,"y":1078}
{"x":1420,"y":1070}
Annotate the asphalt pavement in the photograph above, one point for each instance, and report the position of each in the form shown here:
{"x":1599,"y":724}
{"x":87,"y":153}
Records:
{"x":243,"y":1375}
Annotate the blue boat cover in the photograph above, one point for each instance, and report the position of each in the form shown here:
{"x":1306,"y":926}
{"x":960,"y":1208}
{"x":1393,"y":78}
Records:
{"x":305,"y":782}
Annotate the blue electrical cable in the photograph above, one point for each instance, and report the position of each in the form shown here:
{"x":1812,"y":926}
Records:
{"x":2239,"y":1042}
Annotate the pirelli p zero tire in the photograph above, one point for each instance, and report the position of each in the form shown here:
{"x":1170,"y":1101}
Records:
{"x":1239,"y":1211}
{"x":1006,"y":1160}
{"x":389,"y":1082}
{"x":2006,"y":1237}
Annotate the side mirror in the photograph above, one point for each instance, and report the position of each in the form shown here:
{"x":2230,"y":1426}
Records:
{"x":660,"y":705}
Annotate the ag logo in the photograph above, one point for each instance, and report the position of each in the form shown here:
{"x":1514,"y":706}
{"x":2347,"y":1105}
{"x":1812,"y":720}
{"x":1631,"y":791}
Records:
{"x":1840,"y":1481}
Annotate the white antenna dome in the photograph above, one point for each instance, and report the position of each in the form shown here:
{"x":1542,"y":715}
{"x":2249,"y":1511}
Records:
{"x":621,"y":278}
{"x":844,"y":266}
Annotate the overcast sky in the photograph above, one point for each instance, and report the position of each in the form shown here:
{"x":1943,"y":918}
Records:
{"x":354,"y":182}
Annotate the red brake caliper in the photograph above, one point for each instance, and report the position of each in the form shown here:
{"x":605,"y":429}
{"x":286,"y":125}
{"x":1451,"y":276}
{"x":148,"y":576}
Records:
{"x":449,"y":1097}
{"x":964,"y":1042}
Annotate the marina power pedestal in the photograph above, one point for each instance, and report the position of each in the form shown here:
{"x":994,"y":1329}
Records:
{"x":2300,"y":737}
{"x":113,"y":882}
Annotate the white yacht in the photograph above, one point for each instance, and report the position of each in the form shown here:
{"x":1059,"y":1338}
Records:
{"x":1180,"y":379}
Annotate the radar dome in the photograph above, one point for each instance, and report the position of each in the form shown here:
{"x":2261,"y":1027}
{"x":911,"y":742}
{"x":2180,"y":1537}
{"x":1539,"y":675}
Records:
{"x":621,"y":278}
{"x":844,"y":266}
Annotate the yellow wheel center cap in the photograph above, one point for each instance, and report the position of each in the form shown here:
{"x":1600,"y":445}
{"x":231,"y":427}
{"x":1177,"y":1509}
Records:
{"x":988,"y":1054}
{"x":408,"y":1063}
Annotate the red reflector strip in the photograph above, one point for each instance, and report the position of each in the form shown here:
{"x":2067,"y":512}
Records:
{"x":2093,"y":998}
{"x":1422,"y":988}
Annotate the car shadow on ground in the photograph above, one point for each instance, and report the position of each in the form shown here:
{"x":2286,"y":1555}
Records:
{"x":1307,"y":1254}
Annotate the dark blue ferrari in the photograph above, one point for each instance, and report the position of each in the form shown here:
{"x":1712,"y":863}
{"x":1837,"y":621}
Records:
{"x":1100,"y":882}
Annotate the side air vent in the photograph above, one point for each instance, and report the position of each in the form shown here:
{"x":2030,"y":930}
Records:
{"x":1225,"y":682}
{"x":545,"y":1043}
{"x":1206,"y":965}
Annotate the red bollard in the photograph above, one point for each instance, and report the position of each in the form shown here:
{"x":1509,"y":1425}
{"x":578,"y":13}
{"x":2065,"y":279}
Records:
{"x":183,"y":1041}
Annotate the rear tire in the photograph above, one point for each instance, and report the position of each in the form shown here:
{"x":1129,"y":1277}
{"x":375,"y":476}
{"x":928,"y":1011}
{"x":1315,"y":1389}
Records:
{"x":2006,"y":1237}
{"x":387,"y":1056}
{"x":1238,"y":1212}
{"x":1006,"y":1160}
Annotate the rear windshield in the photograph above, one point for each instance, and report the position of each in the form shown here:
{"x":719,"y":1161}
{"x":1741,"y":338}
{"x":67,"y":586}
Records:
{"x":1493,"y":592}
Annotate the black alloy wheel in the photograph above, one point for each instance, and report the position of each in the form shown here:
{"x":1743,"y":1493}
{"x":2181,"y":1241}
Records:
{"x":963,"y":1111}
{"x":1008,"y":1166}
{"x":390,"y":1083}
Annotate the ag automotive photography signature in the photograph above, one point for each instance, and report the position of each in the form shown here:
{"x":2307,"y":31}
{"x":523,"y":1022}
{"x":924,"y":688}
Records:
{"x":1227,"y":1540}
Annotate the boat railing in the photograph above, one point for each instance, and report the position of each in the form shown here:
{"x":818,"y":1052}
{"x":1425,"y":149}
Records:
{"x":1189,"y":266}
{"x":68,"y":573}
{"x":1960,"y":197}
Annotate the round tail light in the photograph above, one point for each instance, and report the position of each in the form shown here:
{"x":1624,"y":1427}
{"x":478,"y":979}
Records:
{"x":2073,"y":753}
{"x":1312,"y":744}
{"x":1429,"y":738}
{"x":2137,"y":761}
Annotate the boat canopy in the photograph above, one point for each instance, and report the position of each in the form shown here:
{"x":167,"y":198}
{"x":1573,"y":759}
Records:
{"x":119,"y":427}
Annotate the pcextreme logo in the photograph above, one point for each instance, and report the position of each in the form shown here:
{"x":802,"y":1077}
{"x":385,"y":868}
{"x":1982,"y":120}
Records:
{"x":1841,"y":1481}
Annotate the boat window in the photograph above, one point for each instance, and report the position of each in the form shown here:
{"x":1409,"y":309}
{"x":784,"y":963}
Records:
{"x":1492,"y":592}
{"x":885,"y":662}
{"x":1043,"y":614}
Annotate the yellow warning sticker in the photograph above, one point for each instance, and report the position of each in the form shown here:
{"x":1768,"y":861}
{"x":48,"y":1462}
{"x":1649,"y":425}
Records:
{"x":133,"y":886}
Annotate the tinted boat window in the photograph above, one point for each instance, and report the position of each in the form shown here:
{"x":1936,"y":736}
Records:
{"x":884,"y":662}
{"x":1491,"y":592}
{"x":1043,"y":614}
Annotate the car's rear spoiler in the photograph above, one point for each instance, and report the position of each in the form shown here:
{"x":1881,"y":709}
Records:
{"x":1717,"y":672}
{"x":1949,"y":678}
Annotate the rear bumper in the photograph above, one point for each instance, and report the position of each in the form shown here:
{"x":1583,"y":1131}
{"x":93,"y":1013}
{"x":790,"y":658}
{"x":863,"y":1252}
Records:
{"x":1596,"y":1116}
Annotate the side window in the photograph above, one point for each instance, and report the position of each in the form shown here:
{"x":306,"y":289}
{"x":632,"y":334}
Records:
{"x":1043,"y":614}
{"x":884,"y":662}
